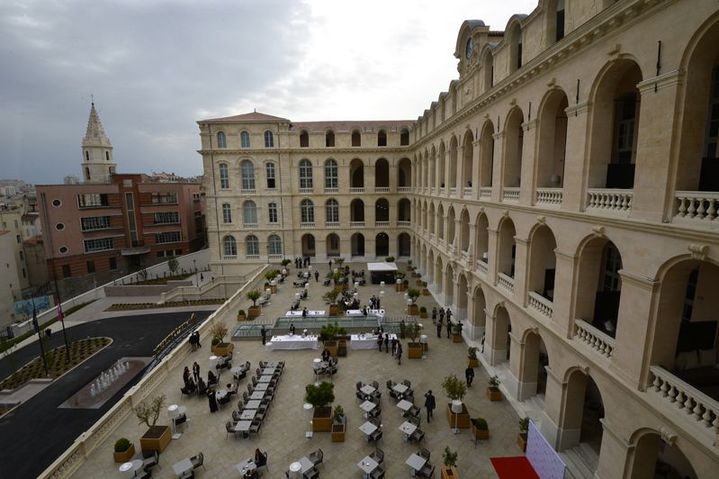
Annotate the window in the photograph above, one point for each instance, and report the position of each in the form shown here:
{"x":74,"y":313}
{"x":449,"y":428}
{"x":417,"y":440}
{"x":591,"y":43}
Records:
{"x":332,"y":210}
{"x":270,"y":172}
{"x":113,"y":263}
{"x":229,"y":246}
{"x":559,"y":21}
{"x":249,"y":213}
{"x":224,"y":177}
{"x":330,"y":138}
{"x":269,"y":139}
{"x":382,"y":138}
{"x":66,"y":273}
{"x":244,"y":139}
{"x":164,"y":198}
{"x":168,"y":237}
{"x":356,"y":138}
{"x":63,"y":250}
{"x":304,"y":140}
{"x":90,"y":267}
{"x":22,"y":256}
{"x":18,"y":239}
{"x":59,"y":227}
{"x":305,"y":174}
{"x":92,"y":200}
{"x":167,"y":218}
{"x":226,"y":213}
{"x":56,"y":203}
{"x":252,"y":246}
{"x":95,"y":223}
{"x":247,"y":172}
{"x":107,"y":157}
{"x":404,"y":138}
{"x":307,"y":211}
{"x":626,"y":107}
{"x":87,"y":155}
{"x":612,"y":264}
{"x":100,"y":244}
{"x":331,"y":174}
{"x":272,"y":213}
{"x":274,"y":245}
{"x":221,"y":140}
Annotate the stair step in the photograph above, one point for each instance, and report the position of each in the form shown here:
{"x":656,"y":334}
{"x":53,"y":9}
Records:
{"x":576,"y":465}
{"x":588,"y":455}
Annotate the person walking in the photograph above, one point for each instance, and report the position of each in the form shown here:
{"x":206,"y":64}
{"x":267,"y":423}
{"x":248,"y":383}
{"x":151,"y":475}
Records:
{"x":441,"y":314}
{"x":212,"y":399}
{"x":449,"y":328}
{"x":394,"y":346}
{"x":380,"y":340}
{"x":399,"y":353}
{"x":469,"y":376}
{"x":263,"y":332}
{"x":434,"y":315}
{"x":196,"y":371}
{"x":439,"y":328}
{"x":386,"y":343}
{"x":317,"y":276}
{"x":429,"y":404}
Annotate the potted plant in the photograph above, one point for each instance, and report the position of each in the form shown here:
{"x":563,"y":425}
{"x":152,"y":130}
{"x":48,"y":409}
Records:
{"x":339,"y":261}
{"x":412,"y":308}
{"x":423,"y":312}
{"x":457,"y":413}
{"x":285,"y":262}
{"x":389,"y":259}
{"x":157,"y":437}
{"x":480,"y":428}
{"x":457,"y":332}
{"x":339,"y":425}
{"x":124,"y":450}
{"x":219,"y":346}
{"x":425,"y":291}
{"x":329,"y":334}
{"x":493,"y":392}
{"x":241,"y":316}
{"x":254,"y":310}
{"x":270,"y":276}
{"x":472,"y":360}
{"x":449,"y":466}
{"x":320,"y":397}
{"x":522,"y":435}
{"x":331,"y":297}
{"x":414,"y":348}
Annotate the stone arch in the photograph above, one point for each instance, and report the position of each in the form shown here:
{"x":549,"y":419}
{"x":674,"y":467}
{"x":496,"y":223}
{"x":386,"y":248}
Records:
{"x":332,"y":245}
{"x":441,"y":174}
{"x":542,"y":261}
{"x":356,"y":171}
{"x":497,"y":344}
{"x":552,"y":133}
{"x":507,"y":247}
{"x":357,"y":244}
{"x":481,"y":242}
{"x":440,"y":221}
{"x":452,"y":183}
{"x":651,"y":456}
{"x":486,"y":154}
{"x":462,"y":289}
{"x":464,"y":230}
{"x":381,"y":173}
{"x":467,"y":158}
{"x":439,"y":274}
{"x":513,"y":147}
{"x":450,"y":225}
{"x":532,"y":366}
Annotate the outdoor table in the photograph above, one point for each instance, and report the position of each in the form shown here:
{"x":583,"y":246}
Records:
{"x":367,"y":406}
{"x":220,"y":394}
{"x":295,"y":469}
{"x":363,"y":341}
{"x":367,"y":465}
{"x":416,"y":462}
{"x":404,"y":405}
{"x":294,"y":313}
{"x":306,"y":464}
{"x":262,"y":387}
{"x":368,"y":428}
{"x":400,"y":388}
{"x":408,"y":428}
{"x":243,"y":427}
{"x":354,"y":312}
{"x":252,"y":404}
{"x":182,"y":467}
{"x":264,"y":379}
{"x":248,"y":414}
{"x":367,"y":389}
{"x":248,"y":465}
{"x":269,"y":371}
{"x":131,"y":466}
{"x":257,"y":395}
{"x":294,"y":342}
{"x":377,"y":312}
{"x":237,"y":370}
{"x":272,"y":364}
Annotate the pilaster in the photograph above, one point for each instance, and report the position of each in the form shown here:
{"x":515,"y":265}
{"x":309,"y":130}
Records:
{"x":529,"y":156}
{"x":574,"y":162}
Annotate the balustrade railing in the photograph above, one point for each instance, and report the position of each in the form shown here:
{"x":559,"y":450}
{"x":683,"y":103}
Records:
{"x":357,"y":189}
{"x":307,"y":224}
{"x":699,"y":206}
{"x":404,"y":223}
{"x":356,"y":224}
{"x":332,"y":223}
{"x":482,"y":266}
{"x":381,"y":223}
{"x":404,"y":189}
{"x":597,"y":340}
{"x":485,"y":192}
{"x":453,"y":191}
{"x":468,"y":191}
{"x":510,"y":194}
{"x":306,"y":190}
{"x":506,"y":282}
{"x":331,"y":190}
{"x":610,"y":201}
{"x":540,"y":303}
{"x":381,"y":189}
{"x":549,"y":196}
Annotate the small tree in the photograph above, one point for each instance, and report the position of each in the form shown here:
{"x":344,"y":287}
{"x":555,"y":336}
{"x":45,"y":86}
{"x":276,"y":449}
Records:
{"x":218,"y":331}
{"x":449,"y":457}
{"x":389,"y":259}
{"x":524,"y":425}
{"x":173,"y":265}
{"x":454,"y":387}
{"x":413,"y":331}
{"x":321,"y":395}
{"x":331,"y":296}
{"x":148,"y":412}
{"x":413,"y":294}
{"x":339,"y":261}
{"x":472,"y":352}
{"x":286,"y":261}
{"x":253,"y":296}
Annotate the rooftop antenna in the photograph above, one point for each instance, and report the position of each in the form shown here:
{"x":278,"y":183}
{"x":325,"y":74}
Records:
{"x":92,"y":99}
{"x":255,"y":110}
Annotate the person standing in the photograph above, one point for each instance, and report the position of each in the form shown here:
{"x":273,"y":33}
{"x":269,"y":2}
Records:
{"x":196,"y":371}
{"x":304,"y":314}
{"x":399,"y":353}
{"x":449,"y":328}
{"x":212,"y":399}
{"x":469,"y":376}
{"x":317,"y":276}
{"x":394,"y":346}
{"x":380,"y":340}
{"x":263,"y":332}
{"x":386,"y":343}
{"x":434,"y":315}
{"x":429,"y":404}
{"x":292,"y":325}
{"x":441,"y":314}
{"x":330,"y":263}
{"x":439,"y":328}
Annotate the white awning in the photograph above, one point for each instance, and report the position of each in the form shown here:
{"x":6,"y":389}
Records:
{"x":381,"y":267}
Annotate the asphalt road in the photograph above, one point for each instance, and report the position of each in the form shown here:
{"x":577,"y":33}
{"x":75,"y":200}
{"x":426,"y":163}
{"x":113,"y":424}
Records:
{"x":35,"y":433}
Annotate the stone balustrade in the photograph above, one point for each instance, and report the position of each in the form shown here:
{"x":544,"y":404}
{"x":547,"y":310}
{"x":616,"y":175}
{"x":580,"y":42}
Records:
{"x":381,"y":189}
{"x":482,"y":267}
{"x":485,"y":192}
{"x":331,"y":190}
{"x":467,"y":191}
{"x":355,"y":224}
{"x":453,"y":191}
{"x":538,"y":302}
{"x":549,"y":196}
{"x":404,"y":223}
{"x":597,"y":340}
{"x":404,"y":189}
{"x":610,"y":201}
{"x":510,"y":194}
{"x":506,"y":282}
{"x":698,"y":206}
{"x":381,"y":223}
{"x":357,"y":189}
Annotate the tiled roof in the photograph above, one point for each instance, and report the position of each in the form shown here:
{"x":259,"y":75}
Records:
{"x":254,"y":117}
{"x":348,"y":125}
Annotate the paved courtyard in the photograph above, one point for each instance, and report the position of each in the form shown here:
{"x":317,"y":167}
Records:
{"x":283,"y":432}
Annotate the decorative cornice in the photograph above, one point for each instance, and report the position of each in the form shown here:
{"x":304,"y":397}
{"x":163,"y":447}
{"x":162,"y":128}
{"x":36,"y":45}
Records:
{"x":580,"y":108}
{"x":665,"y":80}
{"x":699,"y":251}
{"x":641,"y":281}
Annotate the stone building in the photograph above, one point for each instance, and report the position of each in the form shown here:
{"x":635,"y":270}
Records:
{"x":561,"y":196}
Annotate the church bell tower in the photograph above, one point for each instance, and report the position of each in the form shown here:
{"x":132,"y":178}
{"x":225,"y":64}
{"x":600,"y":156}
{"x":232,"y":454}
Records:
{"x":97,"y":161}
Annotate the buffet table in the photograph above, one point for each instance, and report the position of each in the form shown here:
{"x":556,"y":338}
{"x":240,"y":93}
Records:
{"x":293,"y":342}
{"x":366,"y":341}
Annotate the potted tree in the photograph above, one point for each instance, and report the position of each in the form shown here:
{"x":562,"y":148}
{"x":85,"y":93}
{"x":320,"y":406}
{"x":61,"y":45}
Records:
{"x":270,"y":277}
{"x":457,"y":332}
{"x":329,"y":334}
{"x":457,"y":413}
{"x":389,"y":259}
{"x":422,"y":312}
{"x":425,"y":291}
{"x":472,"y":360}
{"x":480,"y":429}
{"x":254,"y":310}
{"x":401,"y":283}
{"x":219,"y":346}
{"x":339,"y":425}
{"x":412,"y":308}
{"x":241,"y":316}
{"x":157,"y":437}
{"x":331,"y":297}
{"x":124,"y":450}
{"x":449,"y":466}
{"x":320,"y":397}
{"x":522,"y":435}
{"x":414,"y":348}
{"x":493,"y":392}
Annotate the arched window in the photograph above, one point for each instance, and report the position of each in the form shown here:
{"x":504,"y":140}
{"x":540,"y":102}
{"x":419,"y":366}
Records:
{"x":382,"y":138}
{"x":270,"y":173}
{"x":224,"y":176}
{"x":226,"y":213}
{"x":305,"y":174}
{"x":244,"y":139}
{"x":356,"y":138}
{"x":330,"y":138}
{"x":487,"y":70}
{"x":247,"y":172}
{"x":107,"y":156}
{"x":404,"y":137}
{"x":221,"y":140}
{"x":272,"y":212}
{"x":304,"y":139}
{"x":332,"y":211}
{"x":229,"y":246}
{"x":515,"y":48}
{"x":559,"y":21}
{"x":249,"y":213}
{"x":269,"y":139}
{"x":274,"y":245}
{"x":87,"y":155}
{"x":252,"y":246}
{"x":331,"y":180}
{"x":307,"y":211}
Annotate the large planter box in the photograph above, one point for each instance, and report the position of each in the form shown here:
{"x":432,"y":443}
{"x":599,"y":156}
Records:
{"x":253,"y":312}
{"x":494,"y":394}
{"x":338,"y":431}
{"x":413,"y":310}
{"x":322,"y":419}
{"x":125,"y":456}
{"x":449,"y":472}
{"x":157,"y":438}
{"x":480,"y":434}
{"x":273,"y":288}
{"x":423,"y":315}
{"x":342,"y":348}
{"x":222,"y":349}
{"x":331,"y":346}
{"x":473,"y":362}
{"x":241,"y":317}
{"x":425,"y":292}
{"x":461,"y":420}
{"x":414,"y":350}
{"x":334,"y":310}
{"x":457,"y":338}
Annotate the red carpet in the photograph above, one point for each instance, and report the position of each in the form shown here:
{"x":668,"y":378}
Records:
{"x":513,"y":468}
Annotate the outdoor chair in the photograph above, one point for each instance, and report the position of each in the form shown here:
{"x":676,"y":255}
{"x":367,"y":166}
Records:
{"x":311,"y":474}
{"x":375,"y":436}
{"x":198,"y":461}
{"x":426,"y":471}
{"x":142,"y":474}
{"x":378,"y":455}
{"x":378,"y":473}
{"x":229,"y":428}
{"x":255,"y":426}
{"x":316,"y":457}
{"x":263,"y":364}
{"x":375,"y":412}
{"x":416,"y":420}
{"x":150,"y":462}
{"x":360,"y":395}
{"x":263,"y":462}
{"x":423,"y":452}
{"x":417,"y":435}
{"x":407,"y":383}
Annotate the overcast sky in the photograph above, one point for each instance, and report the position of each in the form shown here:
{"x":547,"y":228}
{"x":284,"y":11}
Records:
{"x":155,"y":67}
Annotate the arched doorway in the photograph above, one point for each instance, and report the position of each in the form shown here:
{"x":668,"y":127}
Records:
{"x":404,"y":248}
{"x":498,"y":348}
{"x":308,"y":245}
{"x":404,"y":173}
{"x":381,"y":173}
{"x":652,"y":457}
{"x":449,"y":288}
{"x":542,"y":262}
{"x":333,"y":245}
{"x":357,"y":244}
{"x":479,"y":316}
{"x":514,"y":145}
{"x":464,"y":231}
{"x":357,"y":211}
{"x":381,"y":211}
{"x":462,"y":298}
{"x":356,"y":173}
{"x":438,"y":276}
{"x":552,"y":140}
{"x":507,"y":248}
{"x":381,"y":245}
{"x":467,"y":163}
{"x":533,"y":372}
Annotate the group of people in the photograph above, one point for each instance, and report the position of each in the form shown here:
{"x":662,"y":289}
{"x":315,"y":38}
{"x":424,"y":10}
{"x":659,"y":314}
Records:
{"x":302,"y":262}
{"x":374,"y":302}
{"x":439,"y":322}
{"x":195,"y":340}
{"x":193,"y":380}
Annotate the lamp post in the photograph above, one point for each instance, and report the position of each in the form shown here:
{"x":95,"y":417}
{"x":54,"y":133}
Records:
{"x":39,"y":335}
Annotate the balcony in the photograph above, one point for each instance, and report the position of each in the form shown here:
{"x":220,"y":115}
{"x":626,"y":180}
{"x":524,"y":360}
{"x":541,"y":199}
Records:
{"x":467,"y":191}
{"x":357,"y":224}
{"x":381,"y":189}
{"x":332,"y":189}
{"x":404,"y":223}
{"x":381,"y":223}
{"x":250,"y":225}
{"x":510,"y":194}
{"x":247,"y":190}
{"x":549,"y":197}
{"x":505,"y":282}
{"x":485,"y":192}
{"x":404,"y":189}
{"x":333,"y":224}
{"x":594,"y":338}
{"x":307,"y":224}
{"x":610,"y":201}
{"x":453,"y":191}
{"x":541,"y":304}
{"x":357,"y":189}
{"x":698,"y":207}
{"x":482,"y":267}
{"x":306,"y":190}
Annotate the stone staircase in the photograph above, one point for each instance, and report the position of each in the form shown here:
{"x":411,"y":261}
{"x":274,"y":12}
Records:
{"x":581,"y":462}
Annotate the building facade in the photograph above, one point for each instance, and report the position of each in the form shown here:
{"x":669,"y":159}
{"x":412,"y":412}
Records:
{"x":10,"y":287}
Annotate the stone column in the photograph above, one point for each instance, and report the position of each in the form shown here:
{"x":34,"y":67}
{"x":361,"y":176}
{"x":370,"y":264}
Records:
{"x":469,"y":330}
{"x":393,"y":177}
{"x":574,"y":191}
{"x":498,"y":166}
{"x":511,"y":380}
{"x":475,"y":169}
{"x":459,"y":179}
{"x":564,"y":287}
{"x":552,"y":412}
{"x":613,"y":453}
{"x":521,"y":270}
{"x":472,"y":253}
{"x":492,"y":250}
{"x":529,"y":163}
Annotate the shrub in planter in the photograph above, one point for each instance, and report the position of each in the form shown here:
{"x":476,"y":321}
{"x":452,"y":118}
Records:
{"x":425,"y":291}
{"x":457,"y":332}
{"x":389,"y":259}
{"x":414,"y":348}
{"x":124,"y":450}
{"x":241,"y":316}
{"x":254,"y":310}
{"x":423,"y":312}
{"x":455,"y":389}
{"x":472,"y":357}
{"x":522,"y":435}
{"x":413,"y":294}
{"x":493,"y":392}
{"x":480,"y":428}
{"x":449,"y":466}
{"x":285,"y":262}
{"x":156,"y":438}
{"x":339,"y":425}
{"x":320,"y":397}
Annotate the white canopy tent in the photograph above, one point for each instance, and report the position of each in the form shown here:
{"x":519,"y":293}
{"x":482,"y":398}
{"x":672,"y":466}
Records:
{"x":382,"y":272}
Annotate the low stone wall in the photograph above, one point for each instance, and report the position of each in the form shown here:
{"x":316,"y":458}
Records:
{"x":145,"y":290}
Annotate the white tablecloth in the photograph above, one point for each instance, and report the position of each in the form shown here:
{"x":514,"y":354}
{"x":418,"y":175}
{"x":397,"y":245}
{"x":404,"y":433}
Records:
{"x":368,"y":341}
{"x":294,"y":342}
{"x":354,"y":312}
{"x":295,"y":314}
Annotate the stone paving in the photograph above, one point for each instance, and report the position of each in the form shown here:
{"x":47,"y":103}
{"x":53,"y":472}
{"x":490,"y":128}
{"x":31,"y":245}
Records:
{"x":283,"y":431}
